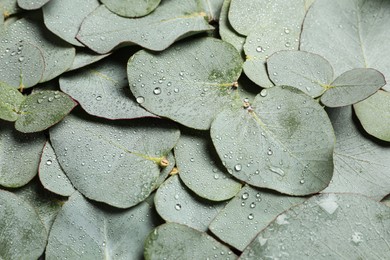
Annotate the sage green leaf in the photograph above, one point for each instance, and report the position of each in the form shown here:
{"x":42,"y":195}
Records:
{"x":42,"y":110}
{"x":306,"y":71}
{"x":374,"y":115}
{"x":349,"y":34}
{"x":23,"y":235}
{"x":282,"y":141}
{"x":248,"y":213}
{"x":213,"y":8}
{"x":58,"y":55}
{"x":244,"y":15}
{"x":361,"y":165}
{"x":85,"y":57}
{"x":113,"y":162}
{"x":201,"y":169}
{"x":353,"y":86}
{"x":226,"y":31}
{"x":175,"y":241}
{"x":131,"y":8}
{"x":103,"y":30}
{"x":45,"y":203}
{"x":175,"y":203}
{"x":76,"y":10}
{"x":51,"y":174}
{"x":19,"y":156}
{"x":102,"y":90}
{"x":10,"y":100}
{"x":22,"y":63}
{"x":9,"y":7}
{"x":31,"y":5}
{"x":328,"y":226}
{"x":188,"y":83}
{"x":83,"y":230}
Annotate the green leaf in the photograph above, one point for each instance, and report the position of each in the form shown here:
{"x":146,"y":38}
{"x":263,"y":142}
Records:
{"x":328,"y":226}
{"x":31,"y":5}
{"x":248,"y":213}
{"x":349,"y":34}
{"x":72,"y":13}
{"x":113,"y":162}
{"x":306,"y":71}
{"x":374,"y":115}
{"x":175,"y":241}
{"x":83,"y":230}
{"x":19,"y":156}
{"x":102,"y":90}
{"x":23,"y":235}
{"x":51,"y":174}
{"x":175,"y":203}
{"x":131,"y":8}
{"x":22,"y":64}
{"x":10,"y":100}
{"x":282,"y":141}
{"x":85,"y":57}
{"x":361,"y":165}
{"x":42,"y":110}
{"x":201,"y":169}
{"x":353,"y":86}
{"x":188,"y":83}
{"x":103,"y":30}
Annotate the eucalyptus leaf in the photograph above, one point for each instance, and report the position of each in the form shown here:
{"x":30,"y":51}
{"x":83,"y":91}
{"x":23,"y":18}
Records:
{"x":83,"y":230}
{"x":42,"y":110}
{"x":31,"y":5}
{"x":85,"y":57}
{"x":102,"y":90}
{"x":131,"y":8}
{"x":55,"y":17}
{"x":201,"y":169}
{"x":374,"y":115}
{"x":10,"y":101}
{"x":19,"y":156}
{"x":188,"y":83}
{"x":328,"y":226}
{"x":361,"y":165}
{"x":349,"y":34}
{"x":248,"y":213}
{"x":23,"y":235}
{"x":282,"y":141}
{"x":175,"y":241}
{"x":103,"y":30}
{"x":113,"y":162}
{"x":51,"y":174}
{"x":175,"y":203}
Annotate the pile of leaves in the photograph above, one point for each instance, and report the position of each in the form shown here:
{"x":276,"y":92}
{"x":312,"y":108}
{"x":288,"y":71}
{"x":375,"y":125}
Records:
{"x":194,"y":129}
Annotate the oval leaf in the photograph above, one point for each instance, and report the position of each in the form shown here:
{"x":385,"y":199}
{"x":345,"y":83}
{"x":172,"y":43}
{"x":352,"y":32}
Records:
{"x":10,"y":100}
{"x":329,"y":226}
{"x":113,"y":162}
{"x":175,"y":241}
{"x":103,"y":30}
{"x":283,"y":141}
{"x":31,"y":5}
{"x":188,"y":83}
{"x":23,"y":235}
{"x":131,"y":8}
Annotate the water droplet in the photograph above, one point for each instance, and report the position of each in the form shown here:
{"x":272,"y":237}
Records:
{"x":279,"y":107}
{"x":245,"y":195}
{"x":253,"y":205}
{"x":40,"y":100}
{"x":192,"y":159}
{"x":49,"y":162}
{"x":21,"y":59}
{"x":98,"y":98}
{"x":216,"y":176}
{"x":250,"y":216}
{"x":176,"y":90}
{"x":238,"y":167}
{"x":286,"y":31}
{"x":259,"y":49}
{"x":176,"y":196}
{"x":269,"y":151}
{"x":50,"y":99}
{"x":302,"y":181}
{"x":357,"y":238}
{"x":277,"y":170}
{"x":263,"y":93}
{"x":157,"y":91}
{"x":140,"y":99}
{"x":287,"y":44}
{"x":178,"y":207}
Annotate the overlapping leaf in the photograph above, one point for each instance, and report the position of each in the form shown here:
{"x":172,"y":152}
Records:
{"x":131,"y":8}
{"x":10,"y":101}
{"x":31,"y":5}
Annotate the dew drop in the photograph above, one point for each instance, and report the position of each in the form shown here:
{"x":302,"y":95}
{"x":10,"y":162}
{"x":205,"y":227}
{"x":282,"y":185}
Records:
{"x":238,"y":167}
{"x":245,"y":195}
{"x":178,"y":207}
{"x":253,"y":205}
{"x":50,"y":99}
{"x":250,"y":216}
{"x":286,"y":31}
{"x":157,"y":91}
{"x":216,"y":176}
{"x":259,"y":49}
{"x":302,"y":181}
{"x":140,"y":99}
{"x":21,"y":59}
{"x":40,"y":100}
{"x":49,"y":162}
{"x":263,"y":93}
{"x":98,"y":98}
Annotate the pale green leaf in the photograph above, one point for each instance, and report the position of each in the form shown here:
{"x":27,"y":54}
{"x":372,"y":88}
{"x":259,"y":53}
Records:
{"x":31,"y":5}
{"x":131,"y":8}
{"x":10,"y":100}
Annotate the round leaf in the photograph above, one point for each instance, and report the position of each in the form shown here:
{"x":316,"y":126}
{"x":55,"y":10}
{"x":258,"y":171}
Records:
{"x":248,"y":213}
{"x":23,"y":235}
{"x":188,"y":83}
{"x":131,"y":8}
{"x":329,"y":226}
{"x":10,"y":100}
{"x":306,"y":71}
{"x":353,"y":86}
{"x":103,"y":30}
{"x":71,"y":13}
{"x":31,"y":5}
{"x":175,"y":241}
{"x":43,"y":109}
{"x":19,"y":156}
{"x":175,"y":203}
{"x":113,"y":162}
{"x":284,"y":141}
{"x":374,"y":115}
{"x":201,"y":169}
{"x":83,"y":230}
